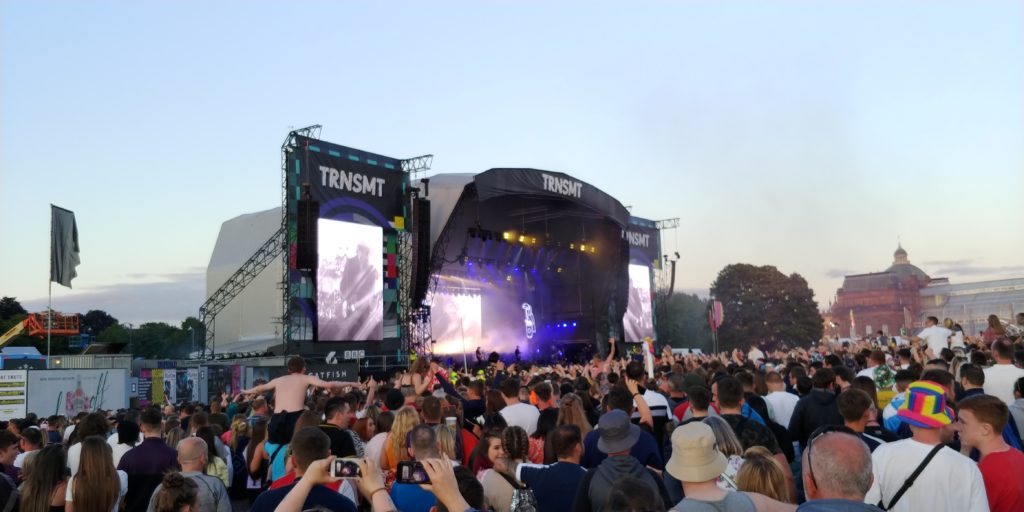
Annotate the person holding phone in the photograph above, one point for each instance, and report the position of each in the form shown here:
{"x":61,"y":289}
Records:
{"x":308,"y":445}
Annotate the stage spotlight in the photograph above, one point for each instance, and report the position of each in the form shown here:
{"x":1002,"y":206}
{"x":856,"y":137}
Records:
{"x":508,"y":278}
{"x":583,"y":247}
{"x":591,"y":248}
{"x":522,"y":238}
{"x":506,"y":235}
{"x":559,"y":270}
{"x":572,"y":246}
{"x":574,"y":324}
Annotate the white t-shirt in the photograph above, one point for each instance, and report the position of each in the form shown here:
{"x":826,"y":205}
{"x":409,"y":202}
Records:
{"x":999,"y":380}
{"x":782,"y":404}
{"x":73,"y":455}
{"x":868,"y":372}
{"x":957,"y":340}
{"x":521,"y":415}
{"x":19,"y":461}
{"x":121,"y":475}
{"x":950,"y":482}
{"x":936,"y":338}
{"x":755,"y":354}
{"x":656,"y":402}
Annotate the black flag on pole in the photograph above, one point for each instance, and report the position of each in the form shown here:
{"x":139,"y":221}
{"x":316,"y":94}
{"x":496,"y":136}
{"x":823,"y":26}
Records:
{"x":63,"y":245}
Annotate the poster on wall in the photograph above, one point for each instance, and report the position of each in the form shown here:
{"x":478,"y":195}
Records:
{"x":69,"y":392}
{"x":145,"y":389}
{"x":170,"y":383}
{"x":224,"y":379}
{"x":262,"y":374}
{"x":187,"y":385}
{"x":157,"y":386}
{"x":12,"y":394}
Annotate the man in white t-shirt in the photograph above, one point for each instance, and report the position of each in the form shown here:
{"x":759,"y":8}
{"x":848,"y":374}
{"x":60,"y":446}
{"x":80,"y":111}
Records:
{"x":515,"y":412}
{"x":1000,"y":377}
{"x":934,"y":336}
{"x":949,"y":482}
{"x":755,"y":353}
{"x":780,"y":402}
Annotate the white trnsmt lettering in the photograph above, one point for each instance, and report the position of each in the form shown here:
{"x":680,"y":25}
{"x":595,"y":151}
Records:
{"x":563,"y":186}
{"x":351,"y":181}
{"x":637,"y":239}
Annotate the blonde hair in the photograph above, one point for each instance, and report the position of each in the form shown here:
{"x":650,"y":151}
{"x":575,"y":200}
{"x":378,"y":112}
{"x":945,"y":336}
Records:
{"x":446,"y":441}
{"x":405,"y":420}
{"x":726,"y":439}
{"x":570,"y":412}
{"x":762,"y":474}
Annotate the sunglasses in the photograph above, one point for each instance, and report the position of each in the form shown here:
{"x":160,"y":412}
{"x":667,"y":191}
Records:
{"x":819,"y":432}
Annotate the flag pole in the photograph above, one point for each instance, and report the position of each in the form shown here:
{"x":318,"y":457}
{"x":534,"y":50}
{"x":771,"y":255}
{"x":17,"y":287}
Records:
{"x":49,"y":294}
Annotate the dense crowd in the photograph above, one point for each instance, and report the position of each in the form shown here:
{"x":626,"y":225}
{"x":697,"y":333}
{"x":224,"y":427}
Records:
{"x":926,"y":422}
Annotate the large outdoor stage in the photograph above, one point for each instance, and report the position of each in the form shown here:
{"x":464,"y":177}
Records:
{"x":374,"y":261}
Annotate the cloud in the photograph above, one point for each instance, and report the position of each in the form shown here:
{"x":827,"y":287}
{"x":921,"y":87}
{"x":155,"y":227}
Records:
{"x":172,"y":298}
{"x":840,"y":272}
{"x":948,"y":263}
{"x":979,"y":270}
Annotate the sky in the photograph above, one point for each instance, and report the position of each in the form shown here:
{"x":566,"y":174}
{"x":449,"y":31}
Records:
{"x":805,"y":135}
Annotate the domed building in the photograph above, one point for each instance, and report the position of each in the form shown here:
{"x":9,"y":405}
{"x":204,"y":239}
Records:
{"x":879,"y":301}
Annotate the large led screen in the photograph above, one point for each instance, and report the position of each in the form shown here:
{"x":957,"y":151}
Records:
{"x":638,"y":322}
{"x":350,"y":281}
{"x":455,"y":323}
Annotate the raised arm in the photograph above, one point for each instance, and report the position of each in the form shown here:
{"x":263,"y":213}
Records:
{"x":262,"y":388}
{"x":313,"y":380}
{"x":641,"y":404}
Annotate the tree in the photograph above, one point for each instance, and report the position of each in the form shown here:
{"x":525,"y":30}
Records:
{"x":764,"y":305}
{"x":95,"y":321}
{"x":682,"y":321}
{"x":9,"y":307}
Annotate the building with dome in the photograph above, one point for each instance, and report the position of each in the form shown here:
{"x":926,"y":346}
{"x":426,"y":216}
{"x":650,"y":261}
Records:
{"x":879,"y":301}
{"x":904,"y":295}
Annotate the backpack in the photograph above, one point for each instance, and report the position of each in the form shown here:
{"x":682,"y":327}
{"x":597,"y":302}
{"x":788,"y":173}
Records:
{"x":523,"y":499}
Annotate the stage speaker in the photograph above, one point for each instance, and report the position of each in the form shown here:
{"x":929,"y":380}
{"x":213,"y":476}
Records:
{"x":421,"y":242}
{"x":306,"y":252}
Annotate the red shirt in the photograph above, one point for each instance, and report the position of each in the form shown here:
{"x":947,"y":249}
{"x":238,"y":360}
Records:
{"x":289,"y":478}
{"x":1003,"y":483}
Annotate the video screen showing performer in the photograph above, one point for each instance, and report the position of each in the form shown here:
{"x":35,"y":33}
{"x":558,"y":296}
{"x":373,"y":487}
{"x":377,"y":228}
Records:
{"x":638,"y":322}
{"x":350,"y":281}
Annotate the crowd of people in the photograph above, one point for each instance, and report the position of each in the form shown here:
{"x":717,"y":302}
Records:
{"x":864,"y":425}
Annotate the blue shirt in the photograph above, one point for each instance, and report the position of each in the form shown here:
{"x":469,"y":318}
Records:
{"x":319,"y":496}
{"x":412,"y":498}
{"x":554,"y":486}
{"x":645,"y":450}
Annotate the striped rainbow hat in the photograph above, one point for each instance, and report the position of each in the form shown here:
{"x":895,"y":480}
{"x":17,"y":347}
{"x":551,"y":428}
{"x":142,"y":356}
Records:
{"x":925,"y":405}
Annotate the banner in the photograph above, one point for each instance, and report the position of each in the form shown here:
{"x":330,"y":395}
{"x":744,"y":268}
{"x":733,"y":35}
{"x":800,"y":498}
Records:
{"x":12,"y":394}
{"x":63,"y":246}
{"x":223,"y":379}
{"x":347,"y":181}
{"x":344,"y":372}
{"x":69,"y":392}
{"x":644,"y":239}
{"x":262,"y":374}
{"x":157,"y":386}
{"x":187,"y":385}
{"x":170,"y":383}
{"x":501,"y":182}
{"x":145,"y":389}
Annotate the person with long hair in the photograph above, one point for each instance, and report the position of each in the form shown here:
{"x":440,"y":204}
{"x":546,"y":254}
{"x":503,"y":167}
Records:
{"x":93,"y":424}
{"x":730,"y":446}
{"x":45,"y":484}
{"x":514,"y":449}
{"x":254,"y":481}
{"x":571,"y":412}
{"x":761,"y":473}
{"x":174,"y":436}
{"x":215,"y":465}
{"x":176,"y":494}
{"x":375,"y":445}
{"x":416,"y":381}
{"x":494,"y":401}
{"x":97,"y":486}
{"x":486,"y":452}
{"x":994,"y":330}
{"x":394,"y":447}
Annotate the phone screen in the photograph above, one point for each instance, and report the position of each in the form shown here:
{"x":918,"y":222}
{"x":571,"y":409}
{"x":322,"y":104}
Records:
{"x":411,"y":472}
{"x":346,"y":468}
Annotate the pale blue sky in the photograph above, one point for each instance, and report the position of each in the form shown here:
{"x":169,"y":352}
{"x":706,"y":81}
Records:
{"x":801,"y":134}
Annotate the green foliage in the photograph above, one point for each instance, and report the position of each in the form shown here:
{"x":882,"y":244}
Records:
{"x":764,"y":305}
{"x":10,"y":307}
{"x":682,"y":321}
{"x":96,"y":321}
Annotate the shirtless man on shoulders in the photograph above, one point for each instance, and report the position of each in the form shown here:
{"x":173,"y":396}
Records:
{"x":290,"y":397}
